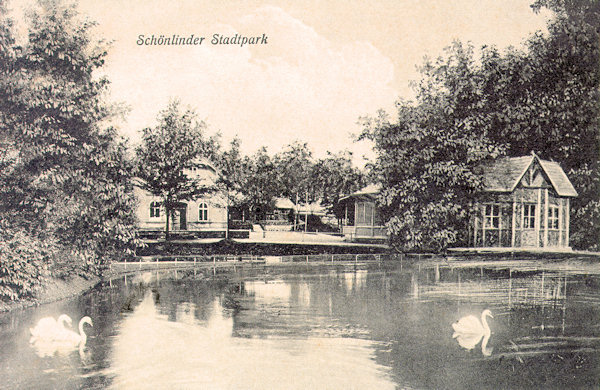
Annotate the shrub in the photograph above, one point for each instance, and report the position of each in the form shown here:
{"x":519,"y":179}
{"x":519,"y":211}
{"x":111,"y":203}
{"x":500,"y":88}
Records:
{"x":24,"y":263}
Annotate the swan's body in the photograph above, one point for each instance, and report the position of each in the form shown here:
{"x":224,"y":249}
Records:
{"x":469,"y":330}
{"x":48,"y":328}
{"x":68,"y":337}
{"x":471,"y":325}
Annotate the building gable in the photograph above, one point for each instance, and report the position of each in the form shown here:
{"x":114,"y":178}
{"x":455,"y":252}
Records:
{"x":505,"y":174}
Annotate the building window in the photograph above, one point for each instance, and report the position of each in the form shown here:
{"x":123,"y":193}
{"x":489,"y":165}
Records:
{"x":492,"y":216}
{"x":155,"y":210}
{"x":553,"y":217}
{"x":202,"y":212}
{"x":529,"y":216}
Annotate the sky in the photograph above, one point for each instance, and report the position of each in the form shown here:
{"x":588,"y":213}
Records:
{"x":325,"y":64}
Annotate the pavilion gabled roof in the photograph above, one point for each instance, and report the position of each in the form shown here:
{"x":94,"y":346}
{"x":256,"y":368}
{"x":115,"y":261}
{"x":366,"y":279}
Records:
{"x":504,"y":174}
{"x":371,"y":191}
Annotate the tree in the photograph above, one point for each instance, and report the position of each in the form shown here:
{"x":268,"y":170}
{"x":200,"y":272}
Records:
{"x":66,"y":180}
{"x":167,"y":155}
{"x":425,"y":162}
{"x":261,"y":186}
{"x":542,"y":99}
{"x":294,"y":166}
{"x":425,"y":159}
{"x":334,"y":177}
{"x":233,"y":172}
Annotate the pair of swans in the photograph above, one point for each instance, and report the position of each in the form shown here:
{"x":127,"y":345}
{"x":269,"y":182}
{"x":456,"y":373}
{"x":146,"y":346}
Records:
{"x":49,"y":330}
{"x":468,"y":331}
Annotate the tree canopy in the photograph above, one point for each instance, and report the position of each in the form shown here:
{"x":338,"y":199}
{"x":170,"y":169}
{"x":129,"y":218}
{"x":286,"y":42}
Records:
{"x":543,"y":98}
{"x":170,"y":152}
{"x":65,"y":184}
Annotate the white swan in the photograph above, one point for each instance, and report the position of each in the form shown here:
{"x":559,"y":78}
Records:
{"x":71,"y":338}
{"x":468,"y":331}
{"x":49,"y":328}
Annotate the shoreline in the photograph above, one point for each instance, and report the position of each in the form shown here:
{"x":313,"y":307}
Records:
{"x":55,"y":290}
{"x":60,"y":289}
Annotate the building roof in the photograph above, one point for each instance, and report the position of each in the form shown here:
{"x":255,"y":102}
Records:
{"x":369,"y":191}
{"x":311,"y":208}
{"x":283,"y":203}
{"x":504,"y":174}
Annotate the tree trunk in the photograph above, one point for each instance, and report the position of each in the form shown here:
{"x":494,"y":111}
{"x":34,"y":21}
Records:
{"x":306,"y":214}
{"x":227,"y":217}
{"x":296,"y":213}
{"x":168,"y":215}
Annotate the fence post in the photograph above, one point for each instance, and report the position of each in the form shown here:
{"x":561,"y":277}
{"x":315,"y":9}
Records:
{"x":332,"y":258}
{"x":307,"y":259}
{"x":355,"y":260}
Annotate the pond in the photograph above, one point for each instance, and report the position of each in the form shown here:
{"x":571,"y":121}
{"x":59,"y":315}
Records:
{"x":311,"y":327}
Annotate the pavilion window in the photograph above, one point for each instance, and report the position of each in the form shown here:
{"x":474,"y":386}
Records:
{"x":553,"y":217}
{"x":529,"y":216}
{"x":492,"y":216}
{"x":365,"y":213}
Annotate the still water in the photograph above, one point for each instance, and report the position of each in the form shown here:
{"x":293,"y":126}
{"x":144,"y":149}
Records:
{"x":319,"y":328}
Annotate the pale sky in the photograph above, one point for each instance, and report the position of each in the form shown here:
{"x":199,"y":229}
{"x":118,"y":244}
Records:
{"x":326,"y":63}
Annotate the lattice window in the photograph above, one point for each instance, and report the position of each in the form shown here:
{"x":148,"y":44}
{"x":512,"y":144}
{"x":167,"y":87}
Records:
{"x":492,"y":216}
{"x":553,"y":217}
{"x":529,"y":216}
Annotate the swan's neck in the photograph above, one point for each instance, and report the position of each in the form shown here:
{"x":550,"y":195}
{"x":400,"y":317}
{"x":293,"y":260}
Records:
{"x":486,"y":327}
{"x":82,"y":333}
{"x":63,"y":321}
{"x":484,"y":349}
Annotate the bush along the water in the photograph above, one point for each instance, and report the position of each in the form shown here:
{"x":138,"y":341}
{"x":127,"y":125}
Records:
{"x":24,"y":263}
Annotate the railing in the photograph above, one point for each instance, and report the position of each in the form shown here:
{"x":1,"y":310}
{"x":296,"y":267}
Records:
{"x":146,"y":263}
{"x":274,"y":222}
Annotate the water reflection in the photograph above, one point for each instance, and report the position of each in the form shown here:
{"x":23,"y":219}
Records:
{"x":334,"y":327}
{"x":269,"y":291}
{"x":152,"y":352}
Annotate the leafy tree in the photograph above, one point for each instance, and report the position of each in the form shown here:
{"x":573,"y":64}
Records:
{"x":66,"y":178}
{"x":169,"y":153}
{"x":24,"y":264}
{"x":545,"y":99}
{"x":334,"y":177}
{"x":542,"y":99}
{"x":570,"y":65}
{"x":425,"y":160}
{"x":294,"y":166}
{"x":233,"y":171}
{"x":260,"y":187}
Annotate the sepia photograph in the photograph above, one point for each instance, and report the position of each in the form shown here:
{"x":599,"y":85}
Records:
{"x":293,"y":194}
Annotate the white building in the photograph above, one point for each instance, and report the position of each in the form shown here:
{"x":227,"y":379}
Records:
{"x":207,"y":213}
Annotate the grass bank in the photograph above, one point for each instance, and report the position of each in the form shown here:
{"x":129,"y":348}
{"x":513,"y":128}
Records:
{"x":54,"y":290}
